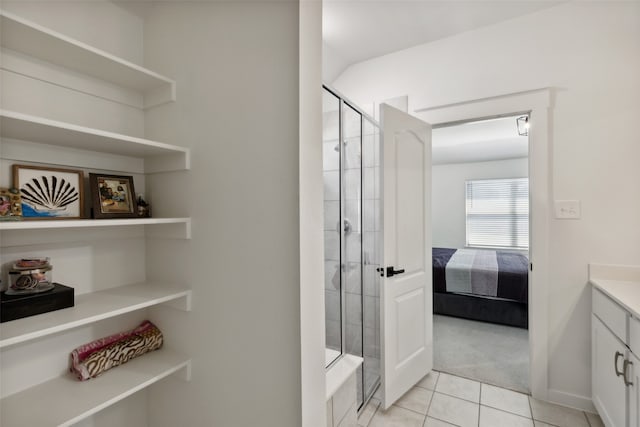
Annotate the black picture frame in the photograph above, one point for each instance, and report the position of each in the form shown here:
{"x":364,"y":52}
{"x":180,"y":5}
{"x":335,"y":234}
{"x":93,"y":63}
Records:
{"x":112,"y":196}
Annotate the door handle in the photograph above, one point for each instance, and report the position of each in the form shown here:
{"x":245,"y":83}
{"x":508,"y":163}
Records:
{"x":625,"y":369}
{"x":615,"y":364}
{"x":389,"y":270}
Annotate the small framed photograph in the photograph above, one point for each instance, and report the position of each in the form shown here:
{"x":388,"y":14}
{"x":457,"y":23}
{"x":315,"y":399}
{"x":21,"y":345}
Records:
{"x":49,"y":193}
{"x":112,"y":196}
{"x":10,"y":204}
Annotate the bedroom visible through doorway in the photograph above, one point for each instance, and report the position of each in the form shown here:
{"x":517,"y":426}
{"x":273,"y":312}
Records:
{"x":480,"y":200}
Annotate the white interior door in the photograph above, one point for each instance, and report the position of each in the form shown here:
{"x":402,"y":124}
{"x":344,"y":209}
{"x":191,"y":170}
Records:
{"x":406,"y":294}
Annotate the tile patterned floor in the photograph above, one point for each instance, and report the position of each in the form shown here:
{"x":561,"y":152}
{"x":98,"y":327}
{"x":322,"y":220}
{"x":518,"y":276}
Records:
{"x":443,"y":400}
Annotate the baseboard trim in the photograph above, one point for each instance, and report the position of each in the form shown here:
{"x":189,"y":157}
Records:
{"x":571,"y":400}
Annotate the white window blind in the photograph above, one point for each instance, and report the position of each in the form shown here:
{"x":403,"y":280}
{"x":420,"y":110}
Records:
{"x":498,"y":213}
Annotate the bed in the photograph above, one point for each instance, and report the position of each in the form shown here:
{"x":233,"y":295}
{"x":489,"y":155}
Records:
{"x":478,"y":284}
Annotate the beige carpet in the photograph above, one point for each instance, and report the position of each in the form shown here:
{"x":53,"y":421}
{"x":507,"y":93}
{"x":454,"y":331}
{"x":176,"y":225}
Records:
{"x":494,"y":354}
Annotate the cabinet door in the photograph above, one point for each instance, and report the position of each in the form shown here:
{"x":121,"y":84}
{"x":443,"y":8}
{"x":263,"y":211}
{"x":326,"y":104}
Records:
{"x":608,"y":388}
{"x":633,"y":375}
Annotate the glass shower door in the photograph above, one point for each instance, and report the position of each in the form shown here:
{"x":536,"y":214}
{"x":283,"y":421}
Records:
{"x":372,"y":255}
{"x":352,"y":228}
{"x":332,"y":235}
{"x":351,"y":165}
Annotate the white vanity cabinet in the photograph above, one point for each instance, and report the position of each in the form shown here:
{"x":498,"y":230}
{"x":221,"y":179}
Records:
{"x":615,"y":346}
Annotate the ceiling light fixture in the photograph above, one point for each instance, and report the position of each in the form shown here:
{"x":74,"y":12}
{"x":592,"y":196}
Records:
{"x":523,"y":125}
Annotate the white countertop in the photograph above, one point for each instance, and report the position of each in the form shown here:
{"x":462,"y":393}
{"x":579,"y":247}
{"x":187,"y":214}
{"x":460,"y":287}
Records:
{"x":620,"y":283}
{"x":627,"y":294}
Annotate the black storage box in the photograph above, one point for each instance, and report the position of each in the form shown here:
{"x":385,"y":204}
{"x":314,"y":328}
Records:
{"x":14,"y":307}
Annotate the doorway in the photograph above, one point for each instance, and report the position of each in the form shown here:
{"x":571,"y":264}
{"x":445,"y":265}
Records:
{"x":481,"y":249}
{"x":539,"y":104}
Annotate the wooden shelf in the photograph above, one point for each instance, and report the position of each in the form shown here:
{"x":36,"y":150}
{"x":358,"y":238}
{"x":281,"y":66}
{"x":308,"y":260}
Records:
{"x":91,"y":308}
{"x":158,"y":156}
{"x":64,"y":401}
{"x":43,"y":43}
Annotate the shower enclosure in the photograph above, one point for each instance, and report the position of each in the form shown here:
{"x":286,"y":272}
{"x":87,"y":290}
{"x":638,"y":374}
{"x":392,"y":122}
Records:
{"x":351,"y":168}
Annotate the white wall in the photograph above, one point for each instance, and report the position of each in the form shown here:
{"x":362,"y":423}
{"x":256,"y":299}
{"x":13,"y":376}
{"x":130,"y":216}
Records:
{"x":237,"y":70}
{"x":332,"y":64}
{"x":312,"y":320}
{"x":448,"y":196}
{"x":590,"y":52}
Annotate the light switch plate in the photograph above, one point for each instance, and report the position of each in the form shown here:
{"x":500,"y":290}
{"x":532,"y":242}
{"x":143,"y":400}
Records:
{"x":567,"y":209}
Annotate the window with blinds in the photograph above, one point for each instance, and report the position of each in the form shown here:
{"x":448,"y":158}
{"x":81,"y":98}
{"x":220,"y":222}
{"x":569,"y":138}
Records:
{"x":498,"y":213}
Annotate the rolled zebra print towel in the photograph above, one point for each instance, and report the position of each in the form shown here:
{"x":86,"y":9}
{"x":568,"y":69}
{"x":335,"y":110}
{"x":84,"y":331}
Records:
{"x":92,"y":359}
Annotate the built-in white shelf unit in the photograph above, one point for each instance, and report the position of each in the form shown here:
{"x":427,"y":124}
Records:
{"x":26,"y":137}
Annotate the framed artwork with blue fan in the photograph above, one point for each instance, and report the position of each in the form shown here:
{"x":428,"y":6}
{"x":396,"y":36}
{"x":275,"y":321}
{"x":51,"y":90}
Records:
{"x":49,"y":193}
